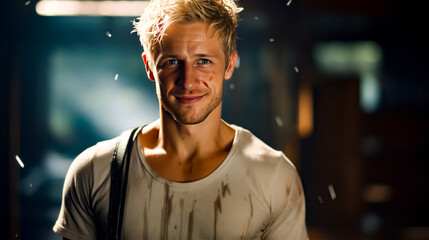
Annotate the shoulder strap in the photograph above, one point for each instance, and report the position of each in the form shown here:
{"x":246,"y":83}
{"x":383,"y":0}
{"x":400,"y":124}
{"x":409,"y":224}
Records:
{"x":119,"y":179}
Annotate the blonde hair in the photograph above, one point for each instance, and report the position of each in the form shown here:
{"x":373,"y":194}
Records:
{"x":221,"y":15}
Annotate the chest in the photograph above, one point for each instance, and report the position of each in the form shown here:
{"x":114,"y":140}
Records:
{"x":221,"y":210}
{"x":184,"y":170}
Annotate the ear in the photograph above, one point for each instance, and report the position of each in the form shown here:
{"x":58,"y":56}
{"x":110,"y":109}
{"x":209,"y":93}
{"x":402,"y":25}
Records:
{"x":231,"y":66}
{"x":148,"y":70}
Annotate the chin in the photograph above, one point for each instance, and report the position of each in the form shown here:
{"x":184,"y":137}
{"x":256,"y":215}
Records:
{"x":188,"y":120}
{"x":192,"y":117}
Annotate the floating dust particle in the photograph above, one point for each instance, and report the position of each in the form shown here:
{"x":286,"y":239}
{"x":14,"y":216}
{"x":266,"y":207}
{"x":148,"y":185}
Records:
{"x":116,"y":77}
{"x":278,"y":121}
{"x":296,"y":69}
{"x":320,"y":199}
{"x":332,"y":192}
{"x":27,"y":3}
{"x":256,"y":18}
{"x":271,"y":39}
{"x":231,"y":86}
{"x":31,"y":185}
{"x":108,"y":34}
{"x":289,"y":2}
{"x":19,"y":161}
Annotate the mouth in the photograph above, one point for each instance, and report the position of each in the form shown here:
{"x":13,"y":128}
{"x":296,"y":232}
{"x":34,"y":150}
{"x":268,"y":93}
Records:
{"x":189,"y":99}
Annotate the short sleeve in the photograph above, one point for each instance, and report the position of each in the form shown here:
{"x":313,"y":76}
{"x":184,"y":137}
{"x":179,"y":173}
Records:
{"x":76,"y":218}
{"x":287,"y":217}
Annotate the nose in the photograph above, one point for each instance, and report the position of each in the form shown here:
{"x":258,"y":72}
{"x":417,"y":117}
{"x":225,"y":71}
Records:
{"x":188,"y":77}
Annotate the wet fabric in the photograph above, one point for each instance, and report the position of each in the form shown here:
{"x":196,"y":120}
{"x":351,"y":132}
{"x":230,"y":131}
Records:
{"x":255,"y":193}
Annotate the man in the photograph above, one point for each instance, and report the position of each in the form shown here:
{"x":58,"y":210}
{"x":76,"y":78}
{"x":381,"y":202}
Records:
{"x":192,"y":175}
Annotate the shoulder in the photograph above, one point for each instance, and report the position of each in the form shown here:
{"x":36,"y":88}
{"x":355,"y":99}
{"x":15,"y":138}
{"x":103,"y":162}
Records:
{"x":257,"y":152}
{"x":84,"y":189}
{"x":267,"y":168}
{"x":93,"y":161}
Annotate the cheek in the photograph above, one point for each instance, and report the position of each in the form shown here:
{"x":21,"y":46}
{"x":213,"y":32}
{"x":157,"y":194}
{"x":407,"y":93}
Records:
{"x":209,"y":78}
{"x":162,"y":88}
{"x":165,"y":82}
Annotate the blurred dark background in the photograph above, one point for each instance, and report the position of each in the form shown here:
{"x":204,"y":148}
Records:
{"x":340,"y":86}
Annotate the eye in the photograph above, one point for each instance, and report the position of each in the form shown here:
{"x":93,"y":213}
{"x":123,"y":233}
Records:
{"x":172,"y":62}
{"x":204,"y":61}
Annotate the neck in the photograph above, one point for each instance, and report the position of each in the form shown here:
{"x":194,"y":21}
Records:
{"x":186,"y":140}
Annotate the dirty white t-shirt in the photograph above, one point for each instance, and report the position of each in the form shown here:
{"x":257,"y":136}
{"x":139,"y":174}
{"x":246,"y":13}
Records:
{"x":255,"y":193}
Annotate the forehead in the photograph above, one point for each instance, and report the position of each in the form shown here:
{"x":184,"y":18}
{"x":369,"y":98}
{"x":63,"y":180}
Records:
{"x":194,"y":29}
{"x":190,"y":37}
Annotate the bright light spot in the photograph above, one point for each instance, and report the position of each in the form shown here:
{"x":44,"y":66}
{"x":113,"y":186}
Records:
{"x":27,"y":3}
{"x":108,"y":34}
{"x":289,"y":2}
{"x":90,"y":8}
{"x":345,"y":58}
{"x":278,"y":121}
{"x":232,"y":86}
{"x":256,"y":18}
{"x":320,"y":199}
{"x":271,"y":39}
{"x":332,"y":192}
{"x":370,"y":93}
{"x":31,"y":185}
{"x":296,"y":69}
{"x":116,"y":77}
{"x":19,"y":161}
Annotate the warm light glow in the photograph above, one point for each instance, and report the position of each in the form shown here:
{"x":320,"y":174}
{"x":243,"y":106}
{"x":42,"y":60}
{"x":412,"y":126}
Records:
{"x":91,"y":8}
{"x":376,"y":193}
{"x":305,"y":111}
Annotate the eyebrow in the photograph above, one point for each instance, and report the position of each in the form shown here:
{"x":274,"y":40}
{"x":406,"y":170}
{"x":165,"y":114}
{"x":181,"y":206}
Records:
{"x":160,"y":56}
{"x":203,"y":55}
{"x":199,"y":55}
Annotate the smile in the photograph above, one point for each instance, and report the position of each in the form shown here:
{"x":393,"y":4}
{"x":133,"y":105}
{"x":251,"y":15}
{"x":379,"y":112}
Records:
{"x":189,"y":99}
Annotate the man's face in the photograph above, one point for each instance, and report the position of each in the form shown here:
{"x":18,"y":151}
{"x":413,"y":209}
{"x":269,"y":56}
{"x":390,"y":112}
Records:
{"x":189,"y":72}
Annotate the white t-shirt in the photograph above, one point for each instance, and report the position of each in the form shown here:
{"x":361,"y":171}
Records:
{"x":255,"y":193}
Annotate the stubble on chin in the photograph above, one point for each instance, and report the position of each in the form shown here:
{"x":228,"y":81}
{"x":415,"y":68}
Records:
{"x":191,"y":117}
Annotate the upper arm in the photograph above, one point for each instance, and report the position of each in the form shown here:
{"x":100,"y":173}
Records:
{"x":287,"y":206}
{"x":76,"y":219}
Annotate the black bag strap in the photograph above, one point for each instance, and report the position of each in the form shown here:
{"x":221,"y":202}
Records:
{"x":118,"y":181}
